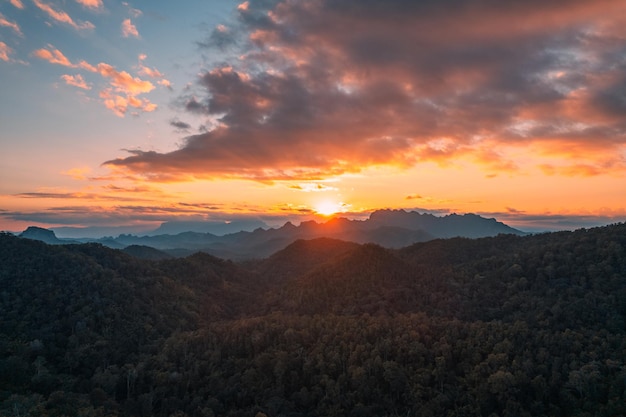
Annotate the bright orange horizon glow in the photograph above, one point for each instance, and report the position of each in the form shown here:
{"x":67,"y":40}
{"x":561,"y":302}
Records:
{"x":328,"y":208}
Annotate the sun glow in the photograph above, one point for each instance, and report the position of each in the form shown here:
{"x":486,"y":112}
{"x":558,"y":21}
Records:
{"x":328,"y":208}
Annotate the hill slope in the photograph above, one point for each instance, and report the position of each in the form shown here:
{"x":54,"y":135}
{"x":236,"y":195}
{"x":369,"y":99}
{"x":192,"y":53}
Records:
{"x":531,"y":325}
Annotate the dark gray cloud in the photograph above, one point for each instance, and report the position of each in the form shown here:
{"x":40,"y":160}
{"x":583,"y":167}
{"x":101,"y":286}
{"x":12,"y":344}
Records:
{"x":180,"y":125}
{"x":322,"y":87}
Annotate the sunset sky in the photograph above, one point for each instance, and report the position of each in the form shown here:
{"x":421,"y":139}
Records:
{"x":134,"y":113}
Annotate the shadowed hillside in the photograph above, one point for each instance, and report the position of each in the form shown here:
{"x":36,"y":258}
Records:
{"x":506,"y":325}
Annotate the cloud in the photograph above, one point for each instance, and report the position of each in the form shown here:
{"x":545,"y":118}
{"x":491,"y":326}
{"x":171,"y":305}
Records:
{"x":123,"y":81}
{"x":5,"y":54}
{"x":134,"y":12}
{"x":165,"y":83}
{"x":76,"y":81}
{"x":6,"y":23}
{"x":180,"y":125}
{"x":128,"y":29}
{"x":5,"y":51}
{"x":413,"y":197}
{"x":322,"y":88}
{"x":152,"y":73}
{"x":91,"y":4}
{"x":124,"y":88}
{"x":17,"y":3}
{"x":312,"y":187}
{"x":119,"y":104}
{"x":79,"y":173}
{"x":55,"y":56}
{"x":62,"y":17}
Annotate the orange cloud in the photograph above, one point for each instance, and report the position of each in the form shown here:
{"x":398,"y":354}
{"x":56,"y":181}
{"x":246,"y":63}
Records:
{"x":123,"y":81}
{"x":54,"y":57}
{"x":76,"y":81}
{"x":150,"y":72}
{"x":119,"y":104}
{"x":125,"y":85}
{"x":62,"y":17}
{"x":78,"y":173}
{"x":6,"y":23}
{"x":17,"y":3}
{"x":128,"y":29}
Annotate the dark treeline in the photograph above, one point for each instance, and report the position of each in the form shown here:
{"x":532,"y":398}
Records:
{"x":503,"y":326}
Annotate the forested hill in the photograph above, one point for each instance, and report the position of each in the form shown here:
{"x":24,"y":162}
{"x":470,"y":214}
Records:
{"x":508,"y":325}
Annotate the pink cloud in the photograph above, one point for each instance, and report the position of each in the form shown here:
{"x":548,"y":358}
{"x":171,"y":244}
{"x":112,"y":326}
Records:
{"x":128,"y":29}
{"x":165,"y":83}
{"x":150,"y":72}
{"x":6,"y":23}
{"x":92,"y":4}
{"x":17,"y":3}
{"x":5,"y":51}
{"x":62,"y":17}
{"x":76,"y":81}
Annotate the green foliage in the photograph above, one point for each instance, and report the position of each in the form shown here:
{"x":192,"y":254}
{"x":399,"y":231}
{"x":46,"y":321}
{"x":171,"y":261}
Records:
{"x":508,"y":325}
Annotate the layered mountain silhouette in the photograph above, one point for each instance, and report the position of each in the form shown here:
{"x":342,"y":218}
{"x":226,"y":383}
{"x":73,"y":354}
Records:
{"x":387,"y":228}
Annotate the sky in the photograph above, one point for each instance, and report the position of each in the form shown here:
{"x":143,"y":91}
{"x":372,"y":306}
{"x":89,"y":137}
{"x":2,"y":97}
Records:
{"x":124,"y":115}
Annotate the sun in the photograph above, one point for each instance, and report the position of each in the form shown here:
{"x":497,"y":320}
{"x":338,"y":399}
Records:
{"x":327,"y":208}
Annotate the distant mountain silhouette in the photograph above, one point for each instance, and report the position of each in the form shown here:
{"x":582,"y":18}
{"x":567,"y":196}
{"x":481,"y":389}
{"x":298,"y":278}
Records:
{"x":388,"y":228}
{"x":39,"y":233}
{"x":452,"y":225}
{"x":212,"y":227}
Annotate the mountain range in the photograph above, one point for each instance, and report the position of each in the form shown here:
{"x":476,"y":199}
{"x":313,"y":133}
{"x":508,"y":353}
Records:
{"x":387,"y":228}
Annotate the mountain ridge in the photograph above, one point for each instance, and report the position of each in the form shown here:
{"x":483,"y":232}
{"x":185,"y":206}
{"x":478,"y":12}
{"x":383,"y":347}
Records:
{"x":389,"y":228}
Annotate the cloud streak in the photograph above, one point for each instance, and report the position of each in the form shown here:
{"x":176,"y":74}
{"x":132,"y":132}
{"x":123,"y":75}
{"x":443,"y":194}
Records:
{"x":12,"y":25}
{"x":76,"y":81}
{"x":55,"y":56}
{"x":62,"y":17}
{"x":322,"y":88}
